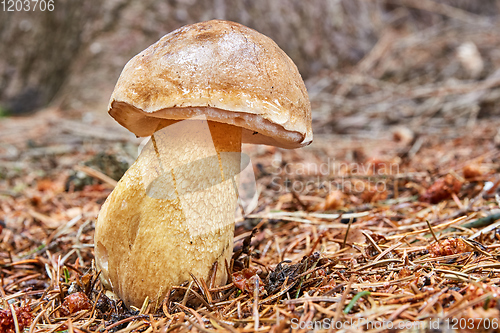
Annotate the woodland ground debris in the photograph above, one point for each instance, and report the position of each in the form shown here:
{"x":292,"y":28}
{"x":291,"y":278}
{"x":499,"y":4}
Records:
{"x":303,"y":263}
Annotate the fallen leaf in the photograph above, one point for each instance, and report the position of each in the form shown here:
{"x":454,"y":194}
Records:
{"x":442,"y":189}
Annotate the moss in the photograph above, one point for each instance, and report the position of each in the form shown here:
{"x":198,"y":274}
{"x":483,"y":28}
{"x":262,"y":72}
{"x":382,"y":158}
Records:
{"x":3,"y":112}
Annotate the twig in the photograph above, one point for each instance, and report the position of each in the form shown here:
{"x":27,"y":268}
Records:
{"x":338,"y":311}
{"x":432,"y":231}
{"x":256,"y":305}
{"x":126,"y":320}
{"x":97,"y":174}
{"x":347,"y":232}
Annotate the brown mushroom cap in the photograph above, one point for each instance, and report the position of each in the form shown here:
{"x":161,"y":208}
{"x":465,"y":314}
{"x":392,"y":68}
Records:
{"x":222,"y":70}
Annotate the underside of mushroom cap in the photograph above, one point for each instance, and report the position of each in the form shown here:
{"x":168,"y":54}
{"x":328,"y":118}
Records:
{"x":228,"y":72}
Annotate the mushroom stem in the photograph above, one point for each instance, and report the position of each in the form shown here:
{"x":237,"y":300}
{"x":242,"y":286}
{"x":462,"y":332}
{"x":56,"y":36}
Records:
{"x":172,"y":213}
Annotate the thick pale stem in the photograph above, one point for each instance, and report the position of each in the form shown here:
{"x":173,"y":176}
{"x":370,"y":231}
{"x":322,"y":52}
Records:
{"x":172,"y":213}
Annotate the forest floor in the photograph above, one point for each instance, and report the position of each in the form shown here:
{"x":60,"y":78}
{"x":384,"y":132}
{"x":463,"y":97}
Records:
{"x":390,"y":219}
{"x":366,"y":231}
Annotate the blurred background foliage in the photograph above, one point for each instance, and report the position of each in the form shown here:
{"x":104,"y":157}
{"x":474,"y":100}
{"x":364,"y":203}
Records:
{"x":71,"y":57}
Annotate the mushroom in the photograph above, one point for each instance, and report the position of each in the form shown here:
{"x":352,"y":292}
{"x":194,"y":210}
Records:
{"x":199,"y":92}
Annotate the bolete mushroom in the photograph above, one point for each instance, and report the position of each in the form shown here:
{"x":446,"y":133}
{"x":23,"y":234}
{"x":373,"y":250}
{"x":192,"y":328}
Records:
{"x":171,"y":214}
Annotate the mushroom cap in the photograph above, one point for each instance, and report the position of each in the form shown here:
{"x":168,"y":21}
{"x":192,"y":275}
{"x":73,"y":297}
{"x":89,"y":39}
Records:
{"x":222,"y":70}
